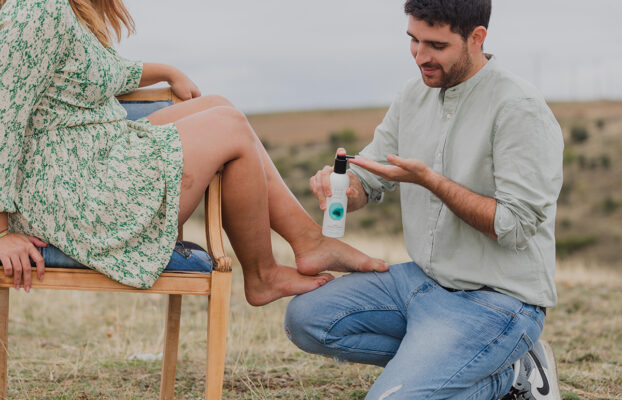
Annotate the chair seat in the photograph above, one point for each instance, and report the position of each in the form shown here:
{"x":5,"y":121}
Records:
{"x":186,"y":257}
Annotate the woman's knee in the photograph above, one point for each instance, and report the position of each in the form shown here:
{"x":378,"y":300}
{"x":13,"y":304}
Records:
{"x":214,"y":100}
{"x":236,"y":123}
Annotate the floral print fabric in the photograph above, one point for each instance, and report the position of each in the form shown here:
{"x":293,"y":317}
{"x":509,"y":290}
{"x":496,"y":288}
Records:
{"x":73,"y":171}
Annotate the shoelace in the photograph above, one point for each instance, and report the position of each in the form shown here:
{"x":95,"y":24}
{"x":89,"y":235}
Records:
{"x":513,"y":395}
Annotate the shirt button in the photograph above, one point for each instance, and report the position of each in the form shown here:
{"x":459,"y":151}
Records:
{"x":438,"y":155}
{"x":427,"y":270}
{"x":449,"y":116}
{"x":430,"y":233}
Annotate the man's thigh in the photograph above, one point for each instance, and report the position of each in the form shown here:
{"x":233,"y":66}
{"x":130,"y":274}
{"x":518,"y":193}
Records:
{"x":360,"y":317}
{"x":454,"y":341}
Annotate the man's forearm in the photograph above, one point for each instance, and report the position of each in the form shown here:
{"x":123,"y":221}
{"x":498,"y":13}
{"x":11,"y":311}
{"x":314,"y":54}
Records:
{"x":475,"y":209}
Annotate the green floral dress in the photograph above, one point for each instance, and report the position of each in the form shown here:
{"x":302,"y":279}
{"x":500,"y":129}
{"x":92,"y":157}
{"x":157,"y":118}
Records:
{"x":74,"y":171}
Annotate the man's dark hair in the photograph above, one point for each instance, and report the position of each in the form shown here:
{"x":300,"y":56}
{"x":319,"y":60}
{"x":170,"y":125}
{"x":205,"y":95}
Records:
{"x":462,"y":16}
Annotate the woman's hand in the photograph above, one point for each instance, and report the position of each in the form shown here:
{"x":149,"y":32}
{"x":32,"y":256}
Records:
{"x":16,"y":250}
{"x":182,"y":86}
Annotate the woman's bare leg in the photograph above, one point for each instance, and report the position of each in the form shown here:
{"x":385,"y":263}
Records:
{"x":220,"y":136}
{"x":314,"y":252}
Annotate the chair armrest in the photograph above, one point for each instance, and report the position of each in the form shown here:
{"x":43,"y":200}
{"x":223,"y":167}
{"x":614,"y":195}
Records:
{"x":151,"y":94}
{"x":213,"y":225}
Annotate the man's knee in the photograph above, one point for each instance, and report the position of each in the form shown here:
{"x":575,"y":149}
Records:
{"x":300,"y":324}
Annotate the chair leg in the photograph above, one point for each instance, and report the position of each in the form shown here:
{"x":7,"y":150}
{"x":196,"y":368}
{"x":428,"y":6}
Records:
{"x":171,"y":344}
{"x":217,"y":327}
{"x":4,"y":340}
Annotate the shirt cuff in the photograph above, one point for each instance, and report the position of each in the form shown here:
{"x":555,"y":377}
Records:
{"x":374,"y":192}
{"x":508,"y":229}
{"x":134,"y":73}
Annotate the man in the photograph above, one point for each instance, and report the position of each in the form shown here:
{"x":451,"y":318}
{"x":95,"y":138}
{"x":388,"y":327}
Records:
{"x":478,"y":156}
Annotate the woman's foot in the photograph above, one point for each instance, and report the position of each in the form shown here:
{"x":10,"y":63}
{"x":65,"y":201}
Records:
{"x":280,"y":281}
{"x":322,"y":254}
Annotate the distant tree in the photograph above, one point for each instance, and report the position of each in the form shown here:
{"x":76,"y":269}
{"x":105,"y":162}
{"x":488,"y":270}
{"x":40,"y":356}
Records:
{"x":569,"y":155}
{"x":579,"y":134}
{"x":609,"y":205}
{"x":582,"y":161}
{"x":600,"y":123}
{"x":605,"y":161}
{"x":368,"y":221}
{"x":343,"y":138}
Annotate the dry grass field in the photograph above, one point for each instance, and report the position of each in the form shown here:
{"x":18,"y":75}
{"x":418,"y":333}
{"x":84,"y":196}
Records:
{"x":74,"y":345}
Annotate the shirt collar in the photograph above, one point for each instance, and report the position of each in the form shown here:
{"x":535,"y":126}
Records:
{"x":463,"y":87}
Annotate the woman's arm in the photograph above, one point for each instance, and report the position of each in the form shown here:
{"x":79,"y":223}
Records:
{"x":33,"y":38}
{"x":4,"y":221}
{"x":182,"y":86}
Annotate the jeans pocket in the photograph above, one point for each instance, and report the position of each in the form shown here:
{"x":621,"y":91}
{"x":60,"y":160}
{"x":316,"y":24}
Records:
{"x":521,"y":348}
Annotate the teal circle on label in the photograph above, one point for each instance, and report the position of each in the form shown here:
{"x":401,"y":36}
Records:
{"x":336,"y":211}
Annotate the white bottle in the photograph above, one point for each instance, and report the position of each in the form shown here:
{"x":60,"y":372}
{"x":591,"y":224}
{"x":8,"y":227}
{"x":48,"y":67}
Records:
{"x":334,"y":224}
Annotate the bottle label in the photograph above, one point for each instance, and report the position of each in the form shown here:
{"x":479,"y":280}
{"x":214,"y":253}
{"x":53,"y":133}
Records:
{"x":336,"y":211}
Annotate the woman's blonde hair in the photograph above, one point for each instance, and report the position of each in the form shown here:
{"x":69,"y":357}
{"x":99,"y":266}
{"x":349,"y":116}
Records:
{"x":102,"y":17}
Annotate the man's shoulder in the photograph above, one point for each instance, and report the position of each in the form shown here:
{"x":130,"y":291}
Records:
{"x":506,"y":87}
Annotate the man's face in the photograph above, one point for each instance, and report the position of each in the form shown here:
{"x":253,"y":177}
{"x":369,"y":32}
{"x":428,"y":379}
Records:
{"x":442,"y":55}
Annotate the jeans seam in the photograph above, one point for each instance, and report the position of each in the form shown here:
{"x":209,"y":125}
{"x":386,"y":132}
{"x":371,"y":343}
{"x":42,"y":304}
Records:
{"x":511,"y":322}
{"x":532,"y":316}
{"x":486,"y":386}
{"x":355,"y":350}
{"x":492,"y":306}
{"x":423,"y":288}
{"x":524,"y":337}
{"x":347,"y":313}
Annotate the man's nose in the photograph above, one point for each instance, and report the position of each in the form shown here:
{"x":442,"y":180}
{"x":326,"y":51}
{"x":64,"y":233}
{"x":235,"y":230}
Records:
{"x":422,"y":56}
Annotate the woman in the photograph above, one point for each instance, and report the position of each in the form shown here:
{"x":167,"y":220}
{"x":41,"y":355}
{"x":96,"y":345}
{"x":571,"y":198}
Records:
{"x":110,"y":193}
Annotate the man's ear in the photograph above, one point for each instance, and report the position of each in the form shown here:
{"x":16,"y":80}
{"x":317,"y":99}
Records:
{"x":476,"y":39}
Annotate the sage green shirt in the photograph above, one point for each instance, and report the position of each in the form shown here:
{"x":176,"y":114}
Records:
{"x":495,"y":135}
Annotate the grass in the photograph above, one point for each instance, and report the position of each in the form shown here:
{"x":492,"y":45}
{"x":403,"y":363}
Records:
{"x":75,"y":345}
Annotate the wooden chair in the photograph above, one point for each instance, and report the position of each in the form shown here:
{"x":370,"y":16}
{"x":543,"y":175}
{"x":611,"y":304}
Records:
{"x":216,"y":285}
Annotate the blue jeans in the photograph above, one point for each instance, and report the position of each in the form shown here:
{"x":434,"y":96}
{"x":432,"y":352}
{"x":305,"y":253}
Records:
{"x":433,"y":343}
{"x":186,"y":257}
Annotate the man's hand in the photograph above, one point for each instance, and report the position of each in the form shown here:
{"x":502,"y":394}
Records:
{"x":475,"y":209}
{"x":16,"y":250}
{"x":320,"y":187}
{"x":402,"y":170}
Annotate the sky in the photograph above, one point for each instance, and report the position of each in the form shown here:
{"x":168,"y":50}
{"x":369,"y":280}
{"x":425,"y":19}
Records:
{"x":279,"y":55}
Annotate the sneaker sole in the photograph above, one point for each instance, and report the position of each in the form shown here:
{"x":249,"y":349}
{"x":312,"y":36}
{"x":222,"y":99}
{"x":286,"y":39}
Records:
{"x":553,"y":378}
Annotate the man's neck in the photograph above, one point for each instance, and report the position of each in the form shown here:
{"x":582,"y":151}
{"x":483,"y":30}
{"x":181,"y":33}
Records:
{"x":478,"y":63}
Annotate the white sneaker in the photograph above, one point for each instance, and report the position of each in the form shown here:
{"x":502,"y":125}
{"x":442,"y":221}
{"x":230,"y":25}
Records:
{"x":535,"y":375}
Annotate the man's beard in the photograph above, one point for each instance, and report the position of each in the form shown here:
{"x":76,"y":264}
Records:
{"x":456,"y":74}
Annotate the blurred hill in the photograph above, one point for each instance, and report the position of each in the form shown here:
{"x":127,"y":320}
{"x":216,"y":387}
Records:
{"x":589,"y":222}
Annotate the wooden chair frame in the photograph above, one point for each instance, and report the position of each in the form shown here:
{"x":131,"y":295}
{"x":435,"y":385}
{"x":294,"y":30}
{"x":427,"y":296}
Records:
{"x":216,"y":285}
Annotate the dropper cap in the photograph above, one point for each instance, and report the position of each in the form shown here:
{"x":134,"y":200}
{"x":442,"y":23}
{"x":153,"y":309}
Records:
{"x":341,"y":162}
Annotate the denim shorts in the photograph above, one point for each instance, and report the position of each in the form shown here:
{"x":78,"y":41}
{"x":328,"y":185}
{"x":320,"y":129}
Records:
{"x":186,"y":257}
